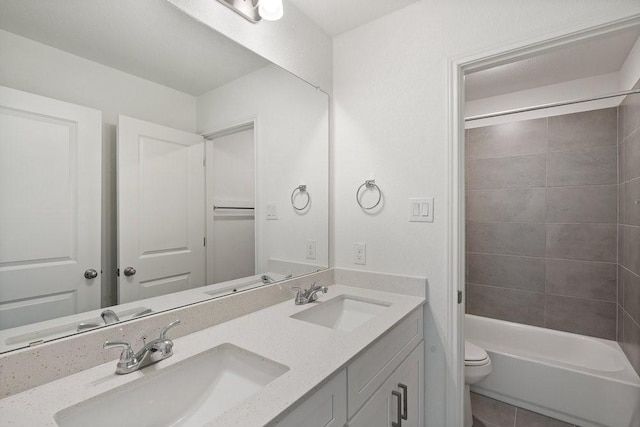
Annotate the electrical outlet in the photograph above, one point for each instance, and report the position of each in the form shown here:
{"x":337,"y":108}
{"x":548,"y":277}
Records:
{"x":311,"y":249}
{"x":360,"y":253}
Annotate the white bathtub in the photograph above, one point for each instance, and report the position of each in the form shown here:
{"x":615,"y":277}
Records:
{"x":581,"y":380}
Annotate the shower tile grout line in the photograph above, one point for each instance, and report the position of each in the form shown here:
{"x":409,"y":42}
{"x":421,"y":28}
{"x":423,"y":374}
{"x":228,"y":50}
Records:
{"x":538,"y":153}
{"x":541,"y":223}
{"x":545,"y":258}
{"x":544,"y":293}
{"x":541,"y":188}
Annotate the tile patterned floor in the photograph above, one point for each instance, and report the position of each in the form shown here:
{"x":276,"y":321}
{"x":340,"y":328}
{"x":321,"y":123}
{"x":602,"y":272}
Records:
{"x":493,"y":413}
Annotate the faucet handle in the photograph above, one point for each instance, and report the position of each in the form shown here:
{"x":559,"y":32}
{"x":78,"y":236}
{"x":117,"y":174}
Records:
{"x":299,"y":294}
{"x":127,"y":351}
{"x":109,"y":316}
{"x":163,"y":334}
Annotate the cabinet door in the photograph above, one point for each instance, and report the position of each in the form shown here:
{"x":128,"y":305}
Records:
{"x":409,"y":381}
{"x":405,"y":384}
{"x":372,"y":368}
{"x":380,"y":410}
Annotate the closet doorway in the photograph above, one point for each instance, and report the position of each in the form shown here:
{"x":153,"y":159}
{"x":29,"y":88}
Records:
{"x":231,"y":201}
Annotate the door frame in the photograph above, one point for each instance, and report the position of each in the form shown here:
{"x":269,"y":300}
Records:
{"x":209,"y":135}
{"x":457,"y":67}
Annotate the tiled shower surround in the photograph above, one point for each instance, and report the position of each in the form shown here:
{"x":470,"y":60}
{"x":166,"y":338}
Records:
{"x":629,"y":229}
{"x":542,"y":219}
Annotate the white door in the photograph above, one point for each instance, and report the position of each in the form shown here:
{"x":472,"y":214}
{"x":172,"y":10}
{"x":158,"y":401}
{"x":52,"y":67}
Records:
{"x":50,"y":203}
{"x":161,"y":210}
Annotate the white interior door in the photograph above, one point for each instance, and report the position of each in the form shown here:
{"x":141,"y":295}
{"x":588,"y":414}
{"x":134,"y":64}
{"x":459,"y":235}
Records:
{"x":50,"y":185}
{"x":161,"y":210}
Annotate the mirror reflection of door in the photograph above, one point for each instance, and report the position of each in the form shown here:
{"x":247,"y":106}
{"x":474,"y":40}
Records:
{"x":50,"y":191}
{"x":161,"y":208}
{"x":231,"y":187}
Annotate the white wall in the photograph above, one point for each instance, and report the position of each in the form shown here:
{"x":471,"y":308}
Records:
{"x":37,"y":68}
{"x":574,"y":89}
{"x":390,"y":108}
{"x":291,"y":149}
{"x":40,"y":69}
{"x":294,"y":42}
{"x":587,"y":87}
{"x":630,"y":70}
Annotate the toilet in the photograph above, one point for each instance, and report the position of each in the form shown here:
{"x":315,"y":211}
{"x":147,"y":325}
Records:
{"x":477,"y":366}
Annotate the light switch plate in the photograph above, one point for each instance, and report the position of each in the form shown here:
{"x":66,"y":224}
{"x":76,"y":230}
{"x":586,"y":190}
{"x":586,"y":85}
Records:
{"x":272,"y":211}
{"x":421,"y":210}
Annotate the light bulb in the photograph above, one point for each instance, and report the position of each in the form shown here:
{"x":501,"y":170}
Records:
{"x":270,"y":10}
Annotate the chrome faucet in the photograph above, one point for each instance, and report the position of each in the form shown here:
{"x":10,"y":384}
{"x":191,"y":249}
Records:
{"x":153,"y":352}
{"x":109,"y":317}
{"x":305,"y":296}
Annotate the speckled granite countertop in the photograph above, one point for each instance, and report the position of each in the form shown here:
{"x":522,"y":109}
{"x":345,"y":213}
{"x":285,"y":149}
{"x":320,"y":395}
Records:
{"x":312,"y":353}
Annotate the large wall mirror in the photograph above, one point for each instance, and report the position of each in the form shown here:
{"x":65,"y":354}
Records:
{"x":146,"y":162}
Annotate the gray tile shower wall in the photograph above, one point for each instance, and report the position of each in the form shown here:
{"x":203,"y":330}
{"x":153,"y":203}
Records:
{"x":629,"y":228}
{"x":542,"y":222}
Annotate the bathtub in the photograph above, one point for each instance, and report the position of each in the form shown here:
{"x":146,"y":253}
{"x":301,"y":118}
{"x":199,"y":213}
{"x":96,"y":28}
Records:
{"x":581,"y":380}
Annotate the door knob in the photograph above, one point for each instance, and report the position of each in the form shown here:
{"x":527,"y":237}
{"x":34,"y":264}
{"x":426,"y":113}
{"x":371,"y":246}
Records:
{"x":90,"y":274}
{"x":129,"y":271}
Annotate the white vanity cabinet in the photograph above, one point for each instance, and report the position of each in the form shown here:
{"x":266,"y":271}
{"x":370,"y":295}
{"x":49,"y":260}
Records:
{"x":367,"y":393}
{"x":399,"y":401}
{"x":327,"y":407}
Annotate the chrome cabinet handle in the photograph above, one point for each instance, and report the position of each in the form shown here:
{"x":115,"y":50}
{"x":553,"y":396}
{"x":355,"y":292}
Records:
{"x":398,"y":422}
{"x":90,"y":274}
{"x":129,"y":271}
{"x":405,"y":392}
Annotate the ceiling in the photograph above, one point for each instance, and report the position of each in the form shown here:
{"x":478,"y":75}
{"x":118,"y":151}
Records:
{"x":338,"y":16}
{"x":600,"y":55}
{"x":147,"y":38}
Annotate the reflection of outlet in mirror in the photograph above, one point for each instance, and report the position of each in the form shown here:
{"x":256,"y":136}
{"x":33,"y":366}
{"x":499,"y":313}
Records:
{"x":360,"y":253}
{"x":421,"y":210}
{"x":272,"y":211}
{"x":311,"y":249}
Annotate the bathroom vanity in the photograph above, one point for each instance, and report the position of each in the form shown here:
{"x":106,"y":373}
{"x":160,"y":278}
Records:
{"x":355,"y":356}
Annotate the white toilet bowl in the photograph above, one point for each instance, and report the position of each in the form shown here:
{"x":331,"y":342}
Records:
{"x":477,"y":366}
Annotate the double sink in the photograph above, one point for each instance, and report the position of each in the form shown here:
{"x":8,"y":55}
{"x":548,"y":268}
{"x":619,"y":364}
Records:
{"x":200,"y":388}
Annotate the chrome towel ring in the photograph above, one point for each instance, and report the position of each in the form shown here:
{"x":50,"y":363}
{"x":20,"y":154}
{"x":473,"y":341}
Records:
{"x":369,"y":184}
{"x":301,"y":189}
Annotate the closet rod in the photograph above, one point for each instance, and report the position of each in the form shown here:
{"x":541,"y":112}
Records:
{"x":215,"y":208}
{"x":553,"y":104}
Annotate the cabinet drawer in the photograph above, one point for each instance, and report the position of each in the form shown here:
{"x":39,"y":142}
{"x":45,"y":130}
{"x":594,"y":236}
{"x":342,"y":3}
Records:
{"x":327,"y":407}
{"x":370,"y":370}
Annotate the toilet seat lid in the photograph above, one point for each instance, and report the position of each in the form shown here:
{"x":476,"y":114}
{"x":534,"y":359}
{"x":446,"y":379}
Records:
{"x":474,"y":354}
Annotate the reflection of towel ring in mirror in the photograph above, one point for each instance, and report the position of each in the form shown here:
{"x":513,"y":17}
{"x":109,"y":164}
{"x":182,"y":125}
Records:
{"x":370,"y":184}
{"x":301,"y":189}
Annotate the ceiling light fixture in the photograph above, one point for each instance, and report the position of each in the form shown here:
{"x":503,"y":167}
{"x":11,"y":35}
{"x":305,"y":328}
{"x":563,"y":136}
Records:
{"x":271,"y":10}
{"x":256,"y":10}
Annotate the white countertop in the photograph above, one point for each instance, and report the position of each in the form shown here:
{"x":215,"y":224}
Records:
{"x":312,"y":353}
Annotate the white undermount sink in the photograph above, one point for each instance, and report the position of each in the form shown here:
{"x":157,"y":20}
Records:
{"x":189,"y":393}
{"x":343,"y":313}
